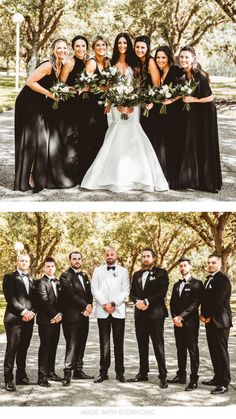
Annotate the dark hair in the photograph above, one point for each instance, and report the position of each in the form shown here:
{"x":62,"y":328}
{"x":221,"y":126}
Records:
{"x":49,"y":259}
{"x":75,"y":251}
{"x":169,"y":54}
{"x":149,"y":249}
{"x":215,"y":255}
{"x":196,"y":67}
{"x":129,"y":56}
{"x":141,"y":70}
{"x":185,"y":259}
{"x":76,"y":38}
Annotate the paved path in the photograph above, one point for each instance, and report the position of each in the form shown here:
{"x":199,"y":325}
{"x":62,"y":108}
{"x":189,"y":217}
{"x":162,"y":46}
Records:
{"x":112,"y":393}
{"x":227,"y":129}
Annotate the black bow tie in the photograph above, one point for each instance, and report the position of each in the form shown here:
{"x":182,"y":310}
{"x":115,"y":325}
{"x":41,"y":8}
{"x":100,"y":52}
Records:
{"x":53,"y":279}
{"x":183,"y":280}
{"x":146,"y":270}
{"x":111,"y":267}
{"x":27,"y":275}
{"x":210,"y":277}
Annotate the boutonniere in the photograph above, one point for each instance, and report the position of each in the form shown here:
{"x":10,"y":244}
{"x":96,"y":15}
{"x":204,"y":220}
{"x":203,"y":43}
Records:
{"x":115,"y":274}
{"x":151,"y":276}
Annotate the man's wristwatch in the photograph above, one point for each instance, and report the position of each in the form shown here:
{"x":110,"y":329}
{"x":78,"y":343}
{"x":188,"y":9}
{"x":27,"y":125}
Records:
{"x":113,"y":304}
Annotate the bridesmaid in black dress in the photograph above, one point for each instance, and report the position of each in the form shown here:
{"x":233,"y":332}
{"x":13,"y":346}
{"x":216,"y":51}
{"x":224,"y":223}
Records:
{"x":32,"y":122}
{"x":147,"y":74}
{"x":74,"y":112}
{"x":164,"y":130}
{"x":199,"y":155}
{"x":96,"y":120}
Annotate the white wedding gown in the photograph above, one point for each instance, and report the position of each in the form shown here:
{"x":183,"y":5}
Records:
{"x":126,"y":160}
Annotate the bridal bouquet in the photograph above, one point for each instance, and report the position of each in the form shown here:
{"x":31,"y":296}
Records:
{"x":61,"y":92}
{"x":146,"y":97}
{"x":163,"y":93}
{"x":111,"y":76}
{"x":125,"y":93}
{"x":87,"y":80}
{"x":186,"y":89}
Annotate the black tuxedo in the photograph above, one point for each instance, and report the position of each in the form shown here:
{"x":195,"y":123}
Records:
{"x":18,"y":332}
{"x":75,"y":298}
{"x":216,"y":305}
{"x":49,"y":305}
{"x":150,"y":323}
{"x":186,"y":306}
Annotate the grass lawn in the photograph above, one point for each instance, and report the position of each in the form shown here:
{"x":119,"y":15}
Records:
{"x":7,"y":94}
{"x":223,"y":89}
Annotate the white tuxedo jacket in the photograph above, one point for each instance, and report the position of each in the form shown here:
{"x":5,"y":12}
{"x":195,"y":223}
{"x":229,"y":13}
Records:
{"x":110,"y":286}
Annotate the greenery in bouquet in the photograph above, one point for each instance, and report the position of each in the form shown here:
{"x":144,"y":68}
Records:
{"x":147,"y":96}
{"x":186,"y":88}
{"x":163,"y":93}
{"x":61,"y":92}
{"x":111,"y":76}
{"x":87,"y":80}
{"x":125,"y":93}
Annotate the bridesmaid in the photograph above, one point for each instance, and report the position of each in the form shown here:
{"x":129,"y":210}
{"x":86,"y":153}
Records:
{"x":199,"y":166}
{"x":74,"y":111}
{"x":31,"y":122}
{"x":147,"y":74}
{"x":96,"y":121}
{"x":164,"y":132}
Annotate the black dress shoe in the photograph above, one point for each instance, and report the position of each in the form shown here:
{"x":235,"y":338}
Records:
{"x":66,"y":382}
{"x":191,"y":386}
{"x":43,"y":382}
{"x":80,"y":375}
{"x":177,"y":380}
{"x":54,"y":377}
{"x":163,"y":383}
{"x":101,"y":378}
{"x":211,"y":382}
{"x":9,"y":386}
{"x":121,"y":378}
{"x":219,"y":390}
{"x":23,"y":381}
{"x":138,"y":377}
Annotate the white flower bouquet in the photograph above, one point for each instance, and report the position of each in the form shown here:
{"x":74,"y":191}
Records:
{"x":111,"y":76}
{"x":186,"y":89}
{"x":87,"y":80}
{"x":61,"y":92}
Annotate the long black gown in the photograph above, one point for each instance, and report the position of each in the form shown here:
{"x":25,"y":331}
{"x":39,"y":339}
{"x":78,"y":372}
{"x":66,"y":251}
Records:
{"x":68,"y":132}
{"x":31,"y":136}
{"x":197,"y":157}
{"x":95,"y":126}
{"x":160,"y":127}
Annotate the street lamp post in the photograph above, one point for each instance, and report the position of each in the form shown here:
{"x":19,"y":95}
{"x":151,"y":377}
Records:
{"x":17,"y":18}
{"x":18,"y":247}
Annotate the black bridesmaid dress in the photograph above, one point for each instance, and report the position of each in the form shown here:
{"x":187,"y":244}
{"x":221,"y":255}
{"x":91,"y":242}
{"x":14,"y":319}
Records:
{"x":196,"y":164}
{"x":31,"y":136}
{"x":95,"y":127}
{"x":72,"y":128}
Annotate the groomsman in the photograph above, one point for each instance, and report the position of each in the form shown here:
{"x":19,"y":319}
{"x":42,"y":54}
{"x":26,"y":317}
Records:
{"x":110,"y":288}
{"x":148,"y":292}
{"x":18,"y":289}
{"x":184,"y":306}
{"x":48,"y":319}
{"x":77,"y":307}
{"x":216,"y":314}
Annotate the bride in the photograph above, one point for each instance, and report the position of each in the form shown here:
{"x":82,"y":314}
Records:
{"x":126,"y":160}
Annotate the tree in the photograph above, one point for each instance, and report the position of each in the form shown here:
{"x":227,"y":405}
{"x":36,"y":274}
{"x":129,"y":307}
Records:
{"x":229,"y":7}
{"x":176,"y":22}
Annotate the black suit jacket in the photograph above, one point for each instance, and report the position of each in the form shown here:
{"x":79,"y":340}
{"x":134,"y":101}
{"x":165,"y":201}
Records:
{"x":74,"y":297}
{"x":155,"y":290}
{"x":48,"y":304}
{"x":17,"y":298}
{"x":216,"y":301}
{"x":187,"y":305}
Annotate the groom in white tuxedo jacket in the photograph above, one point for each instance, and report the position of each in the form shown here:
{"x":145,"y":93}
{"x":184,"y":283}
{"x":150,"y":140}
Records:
{"x":110,"y":287}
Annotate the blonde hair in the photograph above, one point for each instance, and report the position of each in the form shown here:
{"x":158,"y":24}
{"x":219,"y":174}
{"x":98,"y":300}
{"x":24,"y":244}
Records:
{"x":53,"y":57}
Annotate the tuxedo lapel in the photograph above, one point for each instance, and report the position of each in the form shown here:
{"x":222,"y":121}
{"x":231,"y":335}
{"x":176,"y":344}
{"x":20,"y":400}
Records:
{"x":147,"y":282}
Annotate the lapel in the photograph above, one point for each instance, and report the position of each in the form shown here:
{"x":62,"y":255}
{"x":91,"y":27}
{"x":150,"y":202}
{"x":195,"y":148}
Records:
{"x":49,"y":287}
{"x":19,"y":278}
{"x":147,"y":281}
{"x":77,"y":284}
{"x":139,"y":280}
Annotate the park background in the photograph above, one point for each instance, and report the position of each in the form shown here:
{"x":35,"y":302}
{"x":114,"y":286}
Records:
{"x":209,"y":26}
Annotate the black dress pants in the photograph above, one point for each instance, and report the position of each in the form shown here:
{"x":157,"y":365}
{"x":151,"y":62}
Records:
{"x":153,"y":328}
{"x":217,"y":340}
{"x":118,"y":330}
{"x":187,"y":340}
{"x":76,"y":337}
{"x":49,"y":337}
{"x":18,"y":340}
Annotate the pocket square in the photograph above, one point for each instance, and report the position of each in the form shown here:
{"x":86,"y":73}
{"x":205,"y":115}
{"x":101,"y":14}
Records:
{"x":152,"y":278}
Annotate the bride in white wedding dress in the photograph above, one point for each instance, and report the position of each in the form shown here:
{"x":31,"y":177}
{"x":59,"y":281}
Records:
{"x":126,"y":161}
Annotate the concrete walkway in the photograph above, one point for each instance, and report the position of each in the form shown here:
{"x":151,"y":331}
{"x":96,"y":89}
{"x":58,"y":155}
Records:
{"x":227,"y":130}
{"x":115,"y":394}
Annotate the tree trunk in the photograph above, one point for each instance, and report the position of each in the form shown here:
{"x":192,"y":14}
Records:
{"x":33,"y":61}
